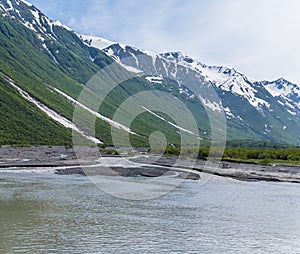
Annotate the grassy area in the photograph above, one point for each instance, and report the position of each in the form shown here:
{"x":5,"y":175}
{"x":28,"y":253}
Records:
{"x":265,"y":156}
{"x":21,"y":123}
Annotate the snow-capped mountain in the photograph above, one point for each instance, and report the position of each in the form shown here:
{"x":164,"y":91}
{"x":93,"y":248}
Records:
{"x":223,"y":78}
{"x":46,"y":30}
{"x":96,"y":42}
{"x":226,"y":79}
{"x":266,"y":108}
{"x":286,"y":93}
{"x":31,"y":17}
{"x":51,"y":53}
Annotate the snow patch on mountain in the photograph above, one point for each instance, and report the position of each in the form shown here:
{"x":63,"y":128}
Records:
{"x":214,"y":106}
{"x":227,"y":79}
{"x":31,"y":18}
{"x":49,"y":52}
{"x":154,"y":79}
{"x":10,"y":5}
{"x":110,"y":48}
{"x":130,"y":68}
{"x":31,"y":27}
{"x":51,"y":113}
{"x":287,"y":94}
{"x":228,"y":113}
{"x":291,"y":112}
{"x":25,"y":2}
{"x":96,"y":42}
{"x":98,"y":115}
{"x":267,"y":129}
{"x":282,"y":87}
{"x":172,"y":124}
{"x":58,"y":23}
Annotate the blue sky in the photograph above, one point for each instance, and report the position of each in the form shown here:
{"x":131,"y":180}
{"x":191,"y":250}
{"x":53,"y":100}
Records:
{"x":259,"y":37}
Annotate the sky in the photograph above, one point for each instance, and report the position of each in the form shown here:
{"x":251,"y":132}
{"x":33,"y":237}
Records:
{"x":259,"y":38}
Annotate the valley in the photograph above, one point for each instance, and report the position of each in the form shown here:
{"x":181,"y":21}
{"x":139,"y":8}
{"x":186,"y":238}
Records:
{"x":106,"y":147}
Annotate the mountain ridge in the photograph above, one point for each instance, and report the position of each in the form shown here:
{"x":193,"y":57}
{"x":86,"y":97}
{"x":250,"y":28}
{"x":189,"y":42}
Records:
{"x":216,"y":74}
{"x":106,"y":44}
{"x":226,"y":81}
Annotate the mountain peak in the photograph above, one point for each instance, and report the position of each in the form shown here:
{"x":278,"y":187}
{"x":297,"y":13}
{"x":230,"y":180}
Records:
{"x":282,"y":80}
{"x":10,"y":6}
{"x":25,"y":2}
{"x":287,"y":94}
{"x":96,"y":42}
{"x":31,"y":17}
{"x":280,"y":83}
{"x":186,"y":60}
{"x":178,"y":57}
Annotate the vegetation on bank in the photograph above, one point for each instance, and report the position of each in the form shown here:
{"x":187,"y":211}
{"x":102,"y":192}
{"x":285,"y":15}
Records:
{"x":267,"y":156}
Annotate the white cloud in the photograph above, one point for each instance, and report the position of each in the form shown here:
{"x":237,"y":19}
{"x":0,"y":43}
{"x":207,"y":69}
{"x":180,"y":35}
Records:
{"x":258,"y":37}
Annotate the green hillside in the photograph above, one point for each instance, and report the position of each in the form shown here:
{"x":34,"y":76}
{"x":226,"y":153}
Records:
{"x":22,"y":123}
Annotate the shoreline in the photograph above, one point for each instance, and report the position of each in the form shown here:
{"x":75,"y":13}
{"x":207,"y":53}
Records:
{"x":64,"y":162}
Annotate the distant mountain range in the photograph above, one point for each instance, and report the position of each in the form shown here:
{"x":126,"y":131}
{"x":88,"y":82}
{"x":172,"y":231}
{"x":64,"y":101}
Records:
{"x":259,"y":109}
{"x":44,"y":66}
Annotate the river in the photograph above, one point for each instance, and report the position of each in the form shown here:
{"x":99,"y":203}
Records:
{"x":41,"y":212}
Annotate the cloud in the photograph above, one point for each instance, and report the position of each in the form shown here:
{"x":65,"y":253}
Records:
{"x":258,"y":37}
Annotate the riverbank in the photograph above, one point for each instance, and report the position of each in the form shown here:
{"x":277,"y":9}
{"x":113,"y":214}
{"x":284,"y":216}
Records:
{"x":64,"y":162}
{"x":238,"y":171}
